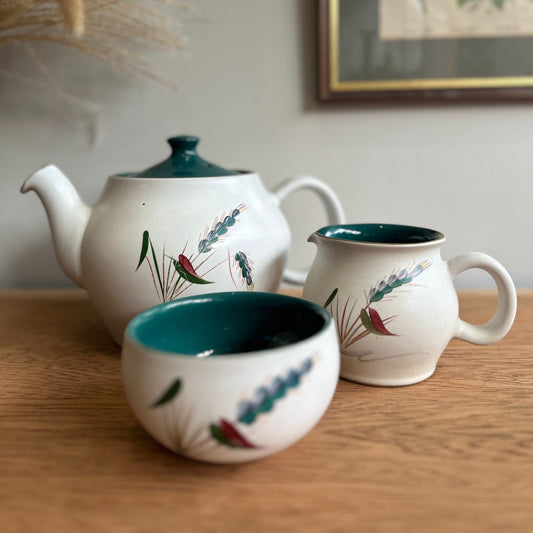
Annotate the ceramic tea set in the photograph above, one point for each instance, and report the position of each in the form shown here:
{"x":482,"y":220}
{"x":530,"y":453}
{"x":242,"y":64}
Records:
{"x":224,"y":369}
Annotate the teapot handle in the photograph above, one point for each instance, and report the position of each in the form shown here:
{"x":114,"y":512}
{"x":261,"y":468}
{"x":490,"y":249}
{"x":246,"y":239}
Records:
{"x":334,"y":211}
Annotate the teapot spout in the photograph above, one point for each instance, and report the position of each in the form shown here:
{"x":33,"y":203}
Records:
{"x":67,"y":215}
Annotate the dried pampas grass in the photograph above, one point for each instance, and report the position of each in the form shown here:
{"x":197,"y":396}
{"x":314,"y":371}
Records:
{"x":113,"y":31}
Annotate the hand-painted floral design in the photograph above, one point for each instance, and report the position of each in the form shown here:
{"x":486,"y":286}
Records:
{"x":354,"y":327}
{"x":244,"y":266}
{"x":218,"y":229}
{"x":169,"y":394}
{"x":172,"y":275}
{"x":263,"y":401}
{"x":266,"y":396}
{"x":225,"y":432}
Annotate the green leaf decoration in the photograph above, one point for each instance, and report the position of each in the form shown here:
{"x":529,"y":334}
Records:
{"x":219,"y":436}
{"x":169,"y":394}
{"x":156,"y":265}
{"x":367,"y":323}
{"x":227,"y":434}
{"x":331,"y":298}
{"x":144,"y":249}
{"x":498,"y":4}
{"x":188,"y":276}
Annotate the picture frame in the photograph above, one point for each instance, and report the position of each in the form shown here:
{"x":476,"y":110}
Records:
{"x":356,"y":64}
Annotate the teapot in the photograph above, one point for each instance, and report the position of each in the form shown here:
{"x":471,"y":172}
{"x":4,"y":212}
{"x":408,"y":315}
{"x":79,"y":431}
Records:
{"x":182,"y":227}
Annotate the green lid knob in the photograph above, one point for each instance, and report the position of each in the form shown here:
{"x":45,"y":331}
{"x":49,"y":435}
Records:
{"x":183,"y":143}
{"x":184,"y":162}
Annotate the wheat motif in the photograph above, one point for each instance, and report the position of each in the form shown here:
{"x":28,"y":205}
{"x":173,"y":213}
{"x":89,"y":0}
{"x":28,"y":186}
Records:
{"x":353,"y":327}
{"x":244,"y":265}
{"x":219,"y":229}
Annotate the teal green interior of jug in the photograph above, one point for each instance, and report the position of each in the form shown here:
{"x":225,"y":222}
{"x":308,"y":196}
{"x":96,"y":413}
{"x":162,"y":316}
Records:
{"x":381,"y":233}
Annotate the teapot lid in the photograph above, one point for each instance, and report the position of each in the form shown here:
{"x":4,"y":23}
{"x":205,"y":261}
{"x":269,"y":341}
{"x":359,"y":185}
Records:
{"x":183,"y":162}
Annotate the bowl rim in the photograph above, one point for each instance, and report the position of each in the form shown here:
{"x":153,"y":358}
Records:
{"x":131,"y":337}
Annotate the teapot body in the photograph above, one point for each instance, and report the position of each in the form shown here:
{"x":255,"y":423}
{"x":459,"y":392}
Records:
{"x":153,"y":240}
{"x":182,"y":227}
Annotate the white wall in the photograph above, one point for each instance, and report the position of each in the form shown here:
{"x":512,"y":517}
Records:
{"x":248,"y":89}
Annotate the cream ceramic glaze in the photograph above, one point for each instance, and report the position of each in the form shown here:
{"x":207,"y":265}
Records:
{"x":225,"y":406}
{"x":394,"y":302}
{"x":209,"y":234}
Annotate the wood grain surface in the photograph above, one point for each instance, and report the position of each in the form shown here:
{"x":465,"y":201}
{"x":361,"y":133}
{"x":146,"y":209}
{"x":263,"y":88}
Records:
{"x":454,"y":453}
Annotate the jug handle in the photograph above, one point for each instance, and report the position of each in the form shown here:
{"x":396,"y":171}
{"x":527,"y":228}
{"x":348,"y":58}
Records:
{"x":501,"y":322}
{"x":334,"y":211}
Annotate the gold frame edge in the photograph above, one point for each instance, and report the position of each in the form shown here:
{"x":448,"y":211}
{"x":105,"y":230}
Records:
{"x":335,"y":85}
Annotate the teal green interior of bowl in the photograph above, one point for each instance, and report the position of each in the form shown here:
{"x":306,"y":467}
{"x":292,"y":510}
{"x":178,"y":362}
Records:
{"x":381,"y":233}
{"x":227,"y":323}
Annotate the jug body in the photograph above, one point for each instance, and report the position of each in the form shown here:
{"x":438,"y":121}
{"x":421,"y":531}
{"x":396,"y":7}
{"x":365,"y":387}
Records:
{"x":393,"y":300}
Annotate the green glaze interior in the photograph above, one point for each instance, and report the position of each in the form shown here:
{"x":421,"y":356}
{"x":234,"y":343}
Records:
{"x":227,"y":323}
{"x":183,"y":162}
{"x":381,"y":233}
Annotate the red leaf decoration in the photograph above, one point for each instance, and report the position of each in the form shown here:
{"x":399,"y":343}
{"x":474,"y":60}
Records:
{"x":234,"y":436}
{"x":378,"y":323}
{"x":187,"y":266}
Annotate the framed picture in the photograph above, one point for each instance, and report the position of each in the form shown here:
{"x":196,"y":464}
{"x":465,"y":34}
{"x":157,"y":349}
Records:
{"x":431,"y":50}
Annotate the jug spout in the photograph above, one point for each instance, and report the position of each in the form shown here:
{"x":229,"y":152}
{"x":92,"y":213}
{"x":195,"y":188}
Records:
{"x":313,"y":238}
{"x":67,"y":215}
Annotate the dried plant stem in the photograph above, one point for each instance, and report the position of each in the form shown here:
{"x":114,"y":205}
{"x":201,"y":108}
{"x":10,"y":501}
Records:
{"x":349,"y":335}
{"x":177,"y":286}
{"x":12,"y":10}
{"x":230,"y":272}
{"x":206,"y":259}
{"x":31,"y":82}
{"x":153,"y":279}
{"x":111,"y":31}
{"x":213,"y":267}
{"x":73,"y":16}
{"x":163,"y":272}
{"x":358,"y":338}
{"x":181,"y":289}
{"x":346,"y":333}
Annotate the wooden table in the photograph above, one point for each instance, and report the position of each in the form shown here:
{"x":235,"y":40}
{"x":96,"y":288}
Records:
{"x":454,"y":453}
